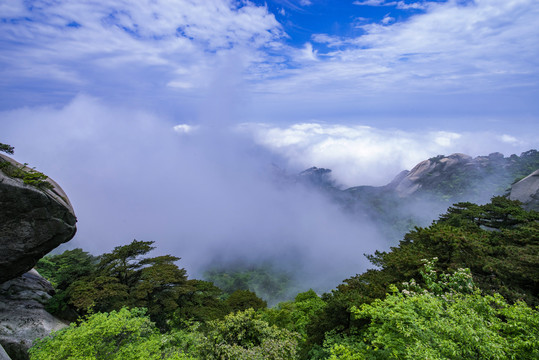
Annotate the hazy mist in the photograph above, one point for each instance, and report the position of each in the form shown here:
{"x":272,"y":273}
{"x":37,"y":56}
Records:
{"x":204,"y":195}
{"x":205,"y":191}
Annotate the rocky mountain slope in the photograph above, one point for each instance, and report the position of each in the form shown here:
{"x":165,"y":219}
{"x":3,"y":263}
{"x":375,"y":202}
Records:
{"x":418,"y":196}
{"x":459,"y":177}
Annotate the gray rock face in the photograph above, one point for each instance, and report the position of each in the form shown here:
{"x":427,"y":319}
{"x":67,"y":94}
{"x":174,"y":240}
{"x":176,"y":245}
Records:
{"x":23,"y":317}
{"x":32,"y":222}
{"x":407,"y":183}
{"x":441,"y":173}
{"x":527,"y":191}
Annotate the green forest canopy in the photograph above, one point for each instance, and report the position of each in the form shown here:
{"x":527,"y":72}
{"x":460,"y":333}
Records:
{"x":482,"y":285}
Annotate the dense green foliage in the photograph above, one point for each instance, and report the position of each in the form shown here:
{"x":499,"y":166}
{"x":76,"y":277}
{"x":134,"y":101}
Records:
{"x":62,"y":270}
{"x":200,"y":302}
{"x":498,"y":242}
{"x":475,"y":300}
{"x":123,"y":277}
{"x":448,"y":319}
{"x":124,"y":334}
{"x":28,"y":176}
{"x":7,"y":148}
{"x":127,"y":277}
{"x":244,"y":299}
{"x":296,"y":315}
{"x":245,"y":336}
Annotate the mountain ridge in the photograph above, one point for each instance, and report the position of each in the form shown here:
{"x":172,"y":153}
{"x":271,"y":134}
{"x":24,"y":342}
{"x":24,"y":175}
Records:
{"x":416,"y":197}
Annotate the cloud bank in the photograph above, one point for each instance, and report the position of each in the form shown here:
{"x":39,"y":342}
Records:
{"x":363,"y":155}
{"x":207,"y":195}
{"x":161,"y":118}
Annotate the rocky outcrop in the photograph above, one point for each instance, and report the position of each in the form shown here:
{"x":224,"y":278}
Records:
{"x":418,"y":196}
{"x":427,"y":172}
{"x":33,"y":221}
{"x":459,"y":177}
{"x":527,"y":191}
{"x":23,"y":317}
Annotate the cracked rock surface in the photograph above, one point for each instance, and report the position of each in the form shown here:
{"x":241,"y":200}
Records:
{"x":23,"y":317}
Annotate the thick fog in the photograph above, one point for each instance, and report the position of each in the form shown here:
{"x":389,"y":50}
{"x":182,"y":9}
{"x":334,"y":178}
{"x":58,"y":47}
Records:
{"x":201,"y":193}
{"x":208,"y":191}
{"x":185,"y":122}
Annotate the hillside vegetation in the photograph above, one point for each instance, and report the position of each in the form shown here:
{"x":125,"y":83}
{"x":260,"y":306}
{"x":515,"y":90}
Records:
{"x":465,"y":287}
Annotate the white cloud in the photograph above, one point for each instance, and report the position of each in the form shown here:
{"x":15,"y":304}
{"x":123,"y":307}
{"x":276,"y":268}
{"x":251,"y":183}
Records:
{"x":483,"y":47}
{"x":360,"y":155}
{"x":89,"y":42}
{"x":509,"y":139}
{"x":387,"y":19}
{"x":307,"y":53}
{"x":12,"y":8}
{"x":331,"y":41}
{"x":454,"y":60}
{"x":185,"y":128}
{"x":170,"y":49}
{"x":398,"y":4}
{"x":370,"y":2}
{"x":415,"y":5}
{"x":446,"y":139}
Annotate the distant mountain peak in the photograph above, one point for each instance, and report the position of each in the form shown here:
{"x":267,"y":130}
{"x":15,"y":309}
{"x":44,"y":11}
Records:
{"x":446,"y":175}
{"x":317,"y":176}
{"x":426,"y":171}
{"x":314,"y":171}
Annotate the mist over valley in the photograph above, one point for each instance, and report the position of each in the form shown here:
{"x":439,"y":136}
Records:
{"x":277,"y":179}
{"x":220,"y":200}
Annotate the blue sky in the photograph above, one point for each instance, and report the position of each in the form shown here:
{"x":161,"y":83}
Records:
{"x":403,"y":64}
{"x":400,"y":69}
{"x":300,"y":20}
{"x":366,"y":87}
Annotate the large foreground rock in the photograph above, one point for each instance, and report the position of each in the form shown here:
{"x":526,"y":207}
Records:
{"x":32,"y":222}
{"x":527,"y":191}
{"x":23,"y":317}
